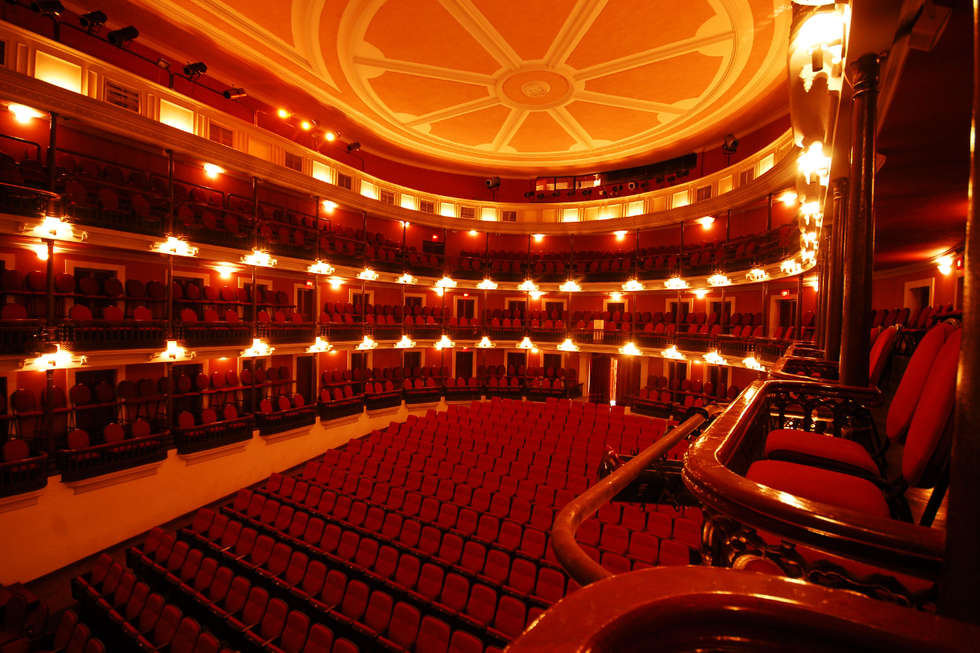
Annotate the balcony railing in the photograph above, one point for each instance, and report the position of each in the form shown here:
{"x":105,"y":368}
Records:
{"x":26,"y":475}
{"x":210,"y":436}
{"x":88,"y":335}
{"x":79,"y":464}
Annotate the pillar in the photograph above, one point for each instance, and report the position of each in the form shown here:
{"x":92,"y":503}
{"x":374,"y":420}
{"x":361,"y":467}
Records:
{"x":859,"y":231}
{"x":835,"y":274}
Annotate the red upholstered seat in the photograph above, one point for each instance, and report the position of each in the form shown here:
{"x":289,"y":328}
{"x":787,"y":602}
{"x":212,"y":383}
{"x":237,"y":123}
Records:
{"x":914,"y":380}
{"x":817,"y":449}
{"x":820,"y":485}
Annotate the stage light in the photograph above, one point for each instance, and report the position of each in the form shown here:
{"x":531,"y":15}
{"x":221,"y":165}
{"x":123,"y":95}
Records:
{"x":330,"y":136}
{"x":195,"y":70}
{"x":307,"y":125}
{"x":353,"y":147}
{"x":285,"y":114}
{"x":493,"y":183}
{"x":92,"y":20}
{"x":234,"y":93}
{"x":47,"y":7}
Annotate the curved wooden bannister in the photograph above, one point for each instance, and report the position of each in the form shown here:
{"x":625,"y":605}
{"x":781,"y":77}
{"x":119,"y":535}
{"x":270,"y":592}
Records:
{"x":583,"y":569}
{"x":668,"y":609}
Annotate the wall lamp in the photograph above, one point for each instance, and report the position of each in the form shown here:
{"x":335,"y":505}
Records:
{"x":93,"y":20}
{"x":195,"y":70}
{"x":123,"y":36}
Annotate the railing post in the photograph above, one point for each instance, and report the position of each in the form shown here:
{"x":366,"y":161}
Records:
{"x":835,"y":273}
{"x":49,"y":294}
{"x":168,"y":374}
{"x":959,"y":593}
{"x":49,"y":414}
{"x":799,"y":307}
{"x":860,"y":230}
{"x":769,"y":213}
{"x":169,"y":222}
{"x":52,"y":163}
{"x":822,"y":268}
{"x":765,"y":308}
{"x":170,"y":298}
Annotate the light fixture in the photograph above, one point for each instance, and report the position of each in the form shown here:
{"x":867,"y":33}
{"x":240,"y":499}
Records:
{"x":353,"y":147}
{"x":629,"y":349}
{"x":285,"y":114}
{"x":195,"y":70}
{"x":123,"y":36}
{"x":537,"y":294}
{"x":328,"y":206}
{"x":486,"y":343}
{"x":788,"y":198}
{"x":367,"y":343}
{"x":815,"y":283}
{"x":336,"y":282}
{"x":234,"y":93}
{"x":472,"y":232}
{"x":367,"y":274}
{"x":258,"y":348}
{"x":713,"y":358}
{"x":259,"y":258}
{"x":174,"y":352}
{"x":440,"y":291}
{"x":330,"y":136}
{"x":538,"y":238}
{"x":404,"y":343}
{"x":174,"y":246}
{"x":56,"y":360}
{"x":23,"y":114}
{"x":53,"y":228}
{"x":41,"y":250}
{"x":486,"y":284}
{"x":620,"y":235}
{"x":814,"y":165}
{"x":673,"y":354}
{"x":320,"y":267}
{"x":406,"y":224}
{"x":527,"y":286}
{"x":307,"y":125}
{"x":945,"y":264}
{"x":407,"y":279}
{"x":616,"y":296}
{"x":163,"y":63}
{"x":757,"y":274}
{"x":446,"y":282}
{"x":93,"y":20}
{"x":319,"y":346}
{"x":719,"y":280}
{"x":675,"y":283}
{"x":526,"y":344}
{"x":224,"y":271}
{"x":445,"y":343}
{"x":706,"y":221}
{"x":212,"y":170}
{"x":633,"y":285}
{"x":700,"y":293}
{"x":790,"y":266}
{"x":753,"y":364}
{"x":568,"y":345}
{"x":570,"y":286}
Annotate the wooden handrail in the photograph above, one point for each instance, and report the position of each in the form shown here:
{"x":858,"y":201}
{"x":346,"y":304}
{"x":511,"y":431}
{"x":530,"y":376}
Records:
{"x":583,"y":569}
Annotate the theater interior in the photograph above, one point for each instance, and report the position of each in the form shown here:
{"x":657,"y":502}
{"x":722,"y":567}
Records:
{"x":470,"y":326}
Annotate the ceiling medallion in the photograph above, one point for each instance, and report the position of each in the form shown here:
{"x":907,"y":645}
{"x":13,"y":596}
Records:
{"x":535,"y":88}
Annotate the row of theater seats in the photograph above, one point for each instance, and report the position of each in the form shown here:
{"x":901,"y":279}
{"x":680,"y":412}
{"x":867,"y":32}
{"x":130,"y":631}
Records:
{"x":20,"y":623}
{"x":429,"y":536}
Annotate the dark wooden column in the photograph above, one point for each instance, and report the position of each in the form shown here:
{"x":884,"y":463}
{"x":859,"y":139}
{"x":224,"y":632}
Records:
{"x":835,"y":274}
{"x":959,"y":592}
{"x":824,"y":264}
{"x":860,"y":227}
{"x":765,"y":308}
{"x":799,"y":307}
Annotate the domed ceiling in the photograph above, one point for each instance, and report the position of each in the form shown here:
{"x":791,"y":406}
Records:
{"x":513,"y":86}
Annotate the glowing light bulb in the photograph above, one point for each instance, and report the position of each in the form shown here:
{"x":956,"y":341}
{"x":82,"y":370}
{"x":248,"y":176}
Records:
{"x":212,"y":170}
{"x":23,"y":114}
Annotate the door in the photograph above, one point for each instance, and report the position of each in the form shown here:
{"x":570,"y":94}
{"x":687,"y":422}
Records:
{"x":599,"y":381}
{"x":465,"y":308}
{"x":304,"y":377}
{"x":516,"y":359}
{"x":304,"y":305}
{"x":464,"y":364}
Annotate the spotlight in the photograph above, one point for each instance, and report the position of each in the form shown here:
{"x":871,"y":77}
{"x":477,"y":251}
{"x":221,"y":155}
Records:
{"x":530,"y":193}
{"x":556,"y":193}
{"x":683,"y":173}
{"x":285,"y":114}
{"x":645,"y":185}
{"x":163,"y":63}
{"x":617,"y":188}
{"x":602,"y":192}
{"x":493,"y":183}
{"x":330,"y":136}
{"x":353,"y":147}
{"x":124,"y":35}
{"x":195,"y":70}
{"x":571,"y":193}
{"x":631,"y":185}
{"x":659,"y":179}
{"x":671,"y":179}
{"x":307,"y":125}
{"x":47,"y":7}
{"x":540,"y":196}
{"x":587,"y":192}
{"x":234,"y":93}
{"x":92,"y":20}
{"x":730,"y":145}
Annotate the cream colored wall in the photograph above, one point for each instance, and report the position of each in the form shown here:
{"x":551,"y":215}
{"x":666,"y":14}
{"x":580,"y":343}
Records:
{"x":67,"y":524}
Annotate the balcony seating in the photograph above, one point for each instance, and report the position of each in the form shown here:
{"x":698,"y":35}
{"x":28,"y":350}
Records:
{"x":19,"y":470}
{"x":192,"y":434}
{"x":121,"y":450}
{"x":339,"y":395}
{"x":929,"y":389}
